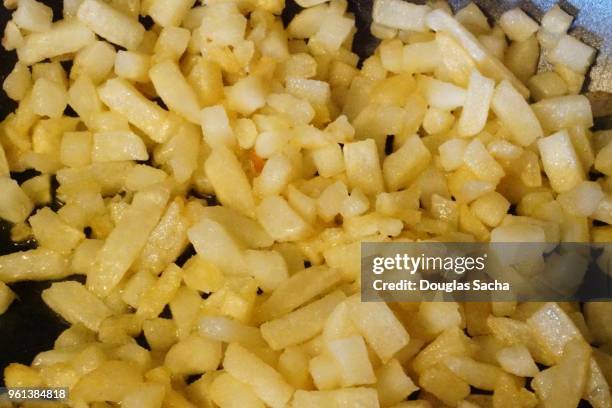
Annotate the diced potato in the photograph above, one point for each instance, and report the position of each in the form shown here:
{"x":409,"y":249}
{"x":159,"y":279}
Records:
{"x":33,"y":16}
{"x":333,"y":32}
{"x":267,"y":267}
{"x":560,"y":161}
{"x":275,"y":176}
{"x":457,"y":62}
{"x":351,"y":355}
{"x":229,"y":180}
{"x":64,"y":37}
{"x":564,"y":112}
{"x":193,"y":355}
{"x":400,"y":15}
{"x":522,"y":58}
{"x":476,"y":107}
{"x":12,"y":38}
{"x":553,"y":328}
{"x":216,"y":245}
{"x":556,"y":21}
{"x":76,"y":147}
{"x":216,"y":127}
{"x":171,"y":43}
{"x":518,"y":361}
{"x":603,"y":161}
{"x":583,"y":200}
{"x":572,"y":53}
{"x":451,"y":153}
{"x":442,"y":95}
{"x":95,"y":60}
{"x":421,"y":57}
{"x":227,"y":391}
{"x":240,"y":226}
{"x":547,"y":85}
{"x":437,"y":121}
{"x":282,"y":332}
{"x":6,"y":297}
{"x":127,"y":238}
{"x":76,"y":304}
{"x":158,"y":295}
{"x":473,"y":19}
{"x":551,"y":386}
{"x":229,"y":330}
{"x":35,"y":264}
{"x":113,"y":380}
{"x":439,"y":20}
{"x":18,"y":82}
{"x":265,"y":381}
{"x":517,"y":25}
{"x":118,"y":146}
{"x":169,"y":13}
{"x":329,"y":160}
{"x":132,"y":66}
{"x":280,"y":220}
{"x":147,"y":394}
{"x":393,"y":385}
{"x":49,"y":98}
{"x":159,"y":333}
{"x":122,"y":97}
{"x":297,"y":290}
{"x":516,"y":115}
{"x":402,"y":167}
{"x":344,"y":397}
{"x":490,"y":208}
{"x":51,"y":232}
{"x":111,"y":24}
{"x":15,"y":205}
{"x":247,"y":95}
{"x":445,"y":385}
{"x":379,"y":326}
{"x":479,"y":161}
{"x":480,"y":375}
{"x":174,"y":90}
{"x":222,"y":24}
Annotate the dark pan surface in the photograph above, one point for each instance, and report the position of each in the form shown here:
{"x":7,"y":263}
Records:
{"x":29,"y":327}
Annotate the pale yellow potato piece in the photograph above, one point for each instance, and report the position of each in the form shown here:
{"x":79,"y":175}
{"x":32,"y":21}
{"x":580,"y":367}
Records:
{"x":127,"y":238}
{"x":553,"y":328}
{"x":15,"y":205}
{"x":53,"y":233}
{"x":301,"y":325}
{"x":564,"y":112}
{"x":301,"y":287}
{"x":404,"y":165}
{"x":379,"y":326}
{"x":392,"y":383}
{"x":35,"y":264}
{"x":158,"y":295}
{"x":363,"y":168}
{"x":111,"y":24}
{"x":480,"y":375}
{"x":169,"y":12}
{"x":229,"y":330}
{"x":64,"y":37}
{"x":75,"y":150}
{"x":174,"y":90}
{"x":6,"y":297}
{"x":561,"y":162}
{"x":445,"y":385}
{"x":167,"y":240}
{"x":193,"y":355}
{"x":113,"y":380}
{"x":516,"y":114}
{"x":476,"y":107}
{"x":341,"y":398}
{"x":227,"y":392}
{"x":265,"y":381}
{"x":146,"y":395}
{"x":518,"y":361}
{"x":119,"y":95}
{"x":353,"y":364}
{"x":159,"y":333}
{"x":280,"y":221}
{"x":216,"y":245}
{"x":229,"y":181}
{"x":439,"y":20}
{"x":118,"y":146}
{"x":76,"y":304}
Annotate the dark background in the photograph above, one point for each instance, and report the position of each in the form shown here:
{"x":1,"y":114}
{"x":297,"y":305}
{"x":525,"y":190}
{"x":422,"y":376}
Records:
{"x":29,"y":327}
